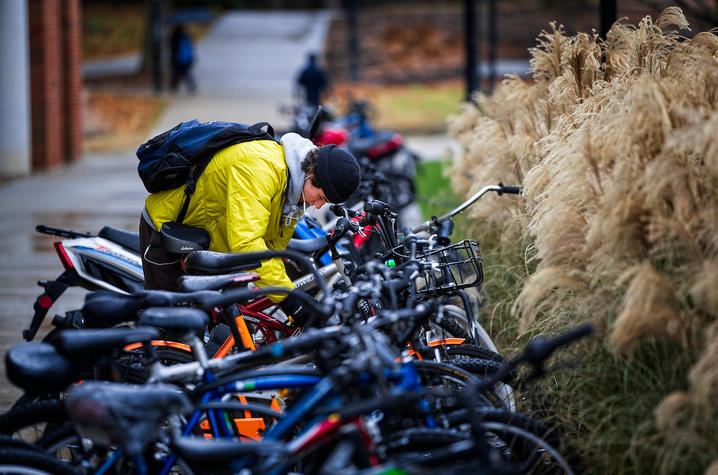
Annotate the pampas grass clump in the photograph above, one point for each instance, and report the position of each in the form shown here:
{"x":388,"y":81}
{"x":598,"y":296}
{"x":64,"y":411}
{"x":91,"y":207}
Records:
{"x":615,"y":143}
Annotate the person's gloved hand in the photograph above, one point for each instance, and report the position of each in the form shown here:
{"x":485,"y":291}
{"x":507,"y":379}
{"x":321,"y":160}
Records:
{"x":298,"y":311}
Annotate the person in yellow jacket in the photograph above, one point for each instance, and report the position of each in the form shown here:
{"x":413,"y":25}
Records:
{"x":249,"y":198}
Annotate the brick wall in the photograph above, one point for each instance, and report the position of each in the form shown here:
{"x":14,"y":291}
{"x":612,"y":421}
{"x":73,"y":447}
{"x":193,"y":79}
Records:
{"x":55,"y":82}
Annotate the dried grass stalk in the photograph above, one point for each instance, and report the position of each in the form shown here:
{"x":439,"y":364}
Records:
{"x":615,"y":144}
{"x":649,"y":308}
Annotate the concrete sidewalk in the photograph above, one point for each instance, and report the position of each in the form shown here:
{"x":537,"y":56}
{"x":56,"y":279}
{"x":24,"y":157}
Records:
{"x":247,"y":66}
{"x":99,"y":190}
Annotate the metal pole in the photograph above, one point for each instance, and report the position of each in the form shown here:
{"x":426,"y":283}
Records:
{"x":470,"y":38}
{"x":353,"y":39}
{"x":15,"y":144}
{"x":607,"y":13}
{"x":493,"y":37}
{"x":156,"y":43}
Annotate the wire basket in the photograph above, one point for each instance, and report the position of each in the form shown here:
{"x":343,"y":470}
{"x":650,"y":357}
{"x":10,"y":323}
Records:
{"x":452,"y":268}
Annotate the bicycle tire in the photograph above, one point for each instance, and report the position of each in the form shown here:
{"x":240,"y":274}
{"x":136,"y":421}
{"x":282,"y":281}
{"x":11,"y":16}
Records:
{"x":480,"y":362}
{"x":30,"y":421}
{"x":65,"y":444}
{"x":135,"y":372}
{"x":526,"y":451}
{"x":21,"y":461}
{"x":459,"y":315}
{"x":498,"y":415}
{"x":548,"y":435}
{"x":473,"y":351}
{"x":9,"y":441}
{"x":170,"y":356}
{"x":449,"y":328}
{"x":419,"y":442}
{"x":476,"y":366}
{"x":434,"y":374}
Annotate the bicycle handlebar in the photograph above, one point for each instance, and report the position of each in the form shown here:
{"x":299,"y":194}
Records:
{"x":536,"y":352}
{"x":445,"y":230}
{"x":511,"y":190}
{"x":66,"y":233}
{"x":540,"y":348}
{"x":340,"y":210}
{"x":500,"y":189}
{"x":375,"y":207}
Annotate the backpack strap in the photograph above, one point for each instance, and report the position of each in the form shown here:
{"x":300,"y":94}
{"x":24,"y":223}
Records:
{"x":209,"y":149}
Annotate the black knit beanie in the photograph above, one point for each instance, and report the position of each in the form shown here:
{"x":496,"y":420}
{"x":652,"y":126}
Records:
{"x":338,"y":173}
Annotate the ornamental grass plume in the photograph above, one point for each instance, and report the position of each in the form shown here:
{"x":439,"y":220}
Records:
{"x":614,"y":142}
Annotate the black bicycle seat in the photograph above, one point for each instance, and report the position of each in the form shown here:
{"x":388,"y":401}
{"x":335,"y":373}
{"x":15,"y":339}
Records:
{"x":119,"y":236}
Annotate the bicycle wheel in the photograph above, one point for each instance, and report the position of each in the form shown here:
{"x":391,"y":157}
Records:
{"x":521,"y":440}
{"x":446,"y":327}
{"x":458,"y":314}
{"x":29,"y":422}
{"x":66,"y":445}
{"x":21,"y":461}
{"x":457,"y":354}
{"x":524,"y":451}
{"x":447,"y":377}
{"x":473,"y":351}
{"x":170,"y":356}
{"x":420,"y":444}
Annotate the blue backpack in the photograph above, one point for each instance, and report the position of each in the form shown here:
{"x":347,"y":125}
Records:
{"x":179,"y":156}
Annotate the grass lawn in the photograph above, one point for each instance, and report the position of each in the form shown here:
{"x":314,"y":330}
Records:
{"x":111,"y":30}
{"x":407,"y":108}
{"x":117,"y":29}
{"x":433,"y":190}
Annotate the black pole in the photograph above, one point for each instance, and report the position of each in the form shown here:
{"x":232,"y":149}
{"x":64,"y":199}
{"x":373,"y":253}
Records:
{"x":156,"y":43}
{"x":608,"y":13}
{"x":353,"y":39}
{"x":470,"y":27}
{"x":493,"y":41}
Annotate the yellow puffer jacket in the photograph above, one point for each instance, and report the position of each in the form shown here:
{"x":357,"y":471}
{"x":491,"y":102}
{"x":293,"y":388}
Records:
{"x":238,"y":200}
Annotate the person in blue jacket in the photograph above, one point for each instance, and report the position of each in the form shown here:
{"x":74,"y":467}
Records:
{"x":182,"y":58}
{"x":314,"y":81}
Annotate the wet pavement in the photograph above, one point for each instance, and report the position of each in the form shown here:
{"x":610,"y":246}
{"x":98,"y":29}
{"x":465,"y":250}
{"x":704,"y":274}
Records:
{"x":100,"y":190}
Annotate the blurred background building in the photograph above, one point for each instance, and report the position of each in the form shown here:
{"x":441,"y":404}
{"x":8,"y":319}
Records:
{"x":46,"y":120}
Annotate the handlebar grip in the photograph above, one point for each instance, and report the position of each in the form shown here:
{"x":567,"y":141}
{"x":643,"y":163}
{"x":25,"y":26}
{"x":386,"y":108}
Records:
{"x":368,"y":220}
{"x":445,"y":230}
{"x":511,"y":190}
{"x":341,"y":211}
{"x":337,"y":209}
{"x":540,"y":348}
{"x":375,"y":206}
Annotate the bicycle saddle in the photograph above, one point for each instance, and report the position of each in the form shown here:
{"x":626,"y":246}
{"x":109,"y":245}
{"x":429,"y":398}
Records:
{"x":213,"y":263}
{"x":175,"y":319}
{"x":128,"y":415}
{"x":106,"y":309}
{"x":194,"y":283}
{"x":38,"y":367}
{"x":362,"y":146}
{"x":90,"y":344}
{"x":119,"y":236}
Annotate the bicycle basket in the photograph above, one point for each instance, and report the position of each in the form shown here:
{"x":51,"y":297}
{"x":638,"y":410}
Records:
{"x":452,"y":268}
